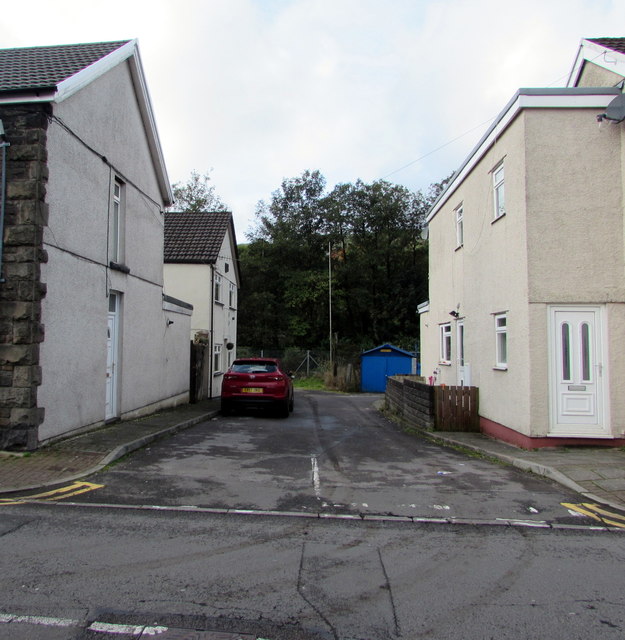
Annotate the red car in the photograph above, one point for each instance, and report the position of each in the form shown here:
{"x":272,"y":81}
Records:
{"x":257,"y":382}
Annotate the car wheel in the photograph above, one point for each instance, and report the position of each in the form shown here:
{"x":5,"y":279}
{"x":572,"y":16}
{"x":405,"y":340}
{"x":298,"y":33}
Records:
{"x":283,"y":409}
{"x":292,"y":403}
{"x":226,"y":407}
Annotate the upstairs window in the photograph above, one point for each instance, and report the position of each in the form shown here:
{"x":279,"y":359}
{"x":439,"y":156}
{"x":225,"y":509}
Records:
{"x":117,"y":222}
{"x":218,"y":288}
{"x":232,"y":296}
{"x":499,"y":191}
{"x":459,"y":216}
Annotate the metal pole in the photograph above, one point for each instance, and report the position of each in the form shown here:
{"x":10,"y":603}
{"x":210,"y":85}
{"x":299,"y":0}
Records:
{"x":330,"y":297}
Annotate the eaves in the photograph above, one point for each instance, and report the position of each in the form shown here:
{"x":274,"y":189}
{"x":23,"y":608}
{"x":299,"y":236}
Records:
{"x":558,"y":98}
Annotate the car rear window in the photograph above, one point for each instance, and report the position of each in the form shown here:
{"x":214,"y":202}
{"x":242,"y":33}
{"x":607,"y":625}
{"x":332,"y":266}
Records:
{"x":254,"y":367}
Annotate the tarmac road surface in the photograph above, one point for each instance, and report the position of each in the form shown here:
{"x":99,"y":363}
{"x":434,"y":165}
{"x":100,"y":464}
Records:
{"x":336,"y":454}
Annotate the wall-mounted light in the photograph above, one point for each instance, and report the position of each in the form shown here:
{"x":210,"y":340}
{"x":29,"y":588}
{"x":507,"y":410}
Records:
{"x":454,"y":313}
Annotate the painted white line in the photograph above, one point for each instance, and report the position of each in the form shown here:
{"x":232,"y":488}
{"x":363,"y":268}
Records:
{"x":315,"y":476}
{"x":134,"y":630}
{"x":39,"y":620}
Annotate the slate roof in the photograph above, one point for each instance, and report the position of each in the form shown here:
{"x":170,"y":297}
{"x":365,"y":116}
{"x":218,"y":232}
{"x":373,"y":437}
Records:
{"x":616,"y":44}
{"x":36,"y":68}
{"x":195,"y":237}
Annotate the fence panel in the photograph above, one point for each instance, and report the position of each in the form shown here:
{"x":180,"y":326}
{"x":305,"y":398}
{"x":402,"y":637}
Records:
{"x":457,"y":408}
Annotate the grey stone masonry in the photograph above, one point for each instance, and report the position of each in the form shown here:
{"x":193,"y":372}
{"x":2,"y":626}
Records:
{"x":21,"y":289}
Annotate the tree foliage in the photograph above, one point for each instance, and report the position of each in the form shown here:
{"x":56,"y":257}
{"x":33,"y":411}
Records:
{"x":366,"y":238}
{"x":196,"y":194}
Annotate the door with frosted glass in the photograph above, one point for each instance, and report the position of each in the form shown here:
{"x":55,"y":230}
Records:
{"x":577,"y":372}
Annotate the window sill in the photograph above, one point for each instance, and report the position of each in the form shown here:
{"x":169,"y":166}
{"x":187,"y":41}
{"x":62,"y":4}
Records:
{"x":115,"y":266}
{"x":445,"y":364}
{"x":500,"y":368}
{"x":498,"y":218}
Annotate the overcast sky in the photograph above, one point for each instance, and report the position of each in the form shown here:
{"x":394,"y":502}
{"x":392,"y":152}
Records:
{"x":261,"y":90}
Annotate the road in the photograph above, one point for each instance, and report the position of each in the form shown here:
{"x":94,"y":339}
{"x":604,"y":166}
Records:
{"x":144,"y":555}
{"x":335,"y":454}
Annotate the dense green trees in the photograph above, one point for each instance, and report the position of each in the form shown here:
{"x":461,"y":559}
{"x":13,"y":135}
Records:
{"x":366,"y":236}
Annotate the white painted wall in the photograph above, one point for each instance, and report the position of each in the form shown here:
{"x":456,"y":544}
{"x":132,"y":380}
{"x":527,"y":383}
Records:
{"x":194,"y":284}
{"x":153,"y":365}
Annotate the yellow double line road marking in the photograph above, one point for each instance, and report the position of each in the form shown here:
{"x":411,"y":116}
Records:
{"x":61,"y":493}
{"x":597,"y":513}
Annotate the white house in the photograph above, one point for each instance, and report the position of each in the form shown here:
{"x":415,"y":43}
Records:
{"x":93,"y":338}
{"x":202,"y":266}
{"x":527,"y":263}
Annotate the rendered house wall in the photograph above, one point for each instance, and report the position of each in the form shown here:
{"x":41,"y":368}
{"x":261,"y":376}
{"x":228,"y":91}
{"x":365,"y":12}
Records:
{"x":105,"y":122}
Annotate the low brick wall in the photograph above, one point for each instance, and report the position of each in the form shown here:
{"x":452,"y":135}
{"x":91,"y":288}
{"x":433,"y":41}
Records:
{"x":412,"y":400}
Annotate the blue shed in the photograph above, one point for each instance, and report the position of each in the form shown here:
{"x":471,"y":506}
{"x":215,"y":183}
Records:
{"x":386,"y":360}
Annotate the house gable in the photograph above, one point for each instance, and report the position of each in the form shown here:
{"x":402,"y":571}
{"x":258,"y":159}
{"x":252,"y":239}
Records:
{"x":600,"y":62}
{"x":55,"y":73}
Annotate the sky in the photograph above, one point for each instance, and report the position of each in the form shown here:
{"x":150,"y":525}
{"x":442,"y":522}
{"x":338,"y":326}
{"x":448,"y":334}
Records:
{"x":257,"y":91}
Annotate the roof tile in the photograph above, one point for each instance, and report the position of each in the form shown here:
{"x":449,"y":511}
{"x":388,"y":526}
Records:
{"x":195,"y":237}
{"x":616,"y":44}
{"x":34,"y":68}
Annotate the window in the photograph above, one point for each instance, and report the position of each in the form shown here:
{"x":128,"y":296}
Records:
{"x":445,"y":343}
{"x":216,"y":358}
{"x":459,"y":215}
{"x":217,"y":288}
{"x":117,"y":221}
{"x":232,"y":296}
{"x":501,"y":341}
{"x":499,"y":192}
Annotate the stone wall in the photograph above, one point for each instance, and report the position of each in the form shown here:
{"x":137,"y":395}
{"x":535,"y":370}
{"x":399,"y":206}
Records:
{"x":21,"y":290}
{"x":412,"y":400}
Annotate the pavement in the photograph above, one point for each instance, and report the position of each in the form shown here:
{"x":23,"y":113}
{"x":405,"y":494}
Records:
{"x":596,"y":473}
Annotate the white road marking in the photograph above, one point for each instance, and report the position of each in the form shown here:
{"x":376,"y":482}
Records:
{"x":39,"y":620}
{"x":315,"y":476}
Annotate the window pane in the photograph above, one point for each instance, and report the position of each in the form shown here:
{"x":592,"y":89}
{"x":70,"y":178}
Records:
{"x":585,"y":346}
{"x":566,"y":351}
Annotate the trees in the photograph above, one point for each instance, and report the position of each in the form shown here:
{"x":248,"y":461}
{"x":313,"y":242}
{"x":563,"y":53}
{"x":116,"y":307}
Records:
{"x":197,"y":195}
{"x":377,"y":260}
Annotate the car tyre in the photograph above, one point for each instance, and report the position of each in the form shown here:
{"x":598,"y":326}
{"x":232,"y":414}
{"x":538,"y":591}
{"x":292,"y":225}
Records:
{"x":283,"y":409}
{"x":226,"y":407}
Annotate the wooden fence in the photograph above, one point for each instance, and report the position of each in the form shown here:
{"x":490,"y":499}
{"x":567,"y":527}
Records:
{"x":457,"y":408}
{"x":440,"y":408}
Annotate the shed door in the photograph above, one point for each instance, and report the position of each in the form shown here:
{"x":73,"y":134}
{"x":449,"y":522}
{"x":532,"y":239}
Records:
{"x":577,"y":373}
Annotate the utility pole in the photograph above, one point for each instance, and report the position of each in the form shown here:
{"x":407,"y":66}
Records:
{"x":330,"y":300}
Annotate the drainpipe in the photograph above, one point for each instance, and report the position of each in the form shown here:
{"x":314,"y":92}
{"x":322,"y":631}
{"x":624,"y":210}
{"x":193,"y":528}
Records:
{"x":212,"y":335}
{"x":4,"y":144}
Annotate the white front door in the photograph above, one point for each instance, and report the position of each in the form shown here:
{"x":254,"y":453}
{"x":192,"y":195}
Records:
{"x":111,"y":357}
{"x":578,"y":374}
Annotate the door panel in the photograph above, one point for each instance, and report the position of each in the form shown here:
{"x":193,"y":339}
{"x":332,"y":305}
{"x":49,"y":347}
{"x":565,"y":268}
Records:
{"x":577,"y":375}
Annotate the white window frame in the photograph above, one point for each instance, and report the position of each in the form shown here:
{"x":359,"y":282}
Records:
{"x":217,"y":350}
{"x":445,"y":343}
{"x":459,"y":218}
{"x":501,"y":340}
{"x":118,"y":202}
{"x":232,"y":296}
{"x":218,"y":287}
{"x":499,"y":193}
